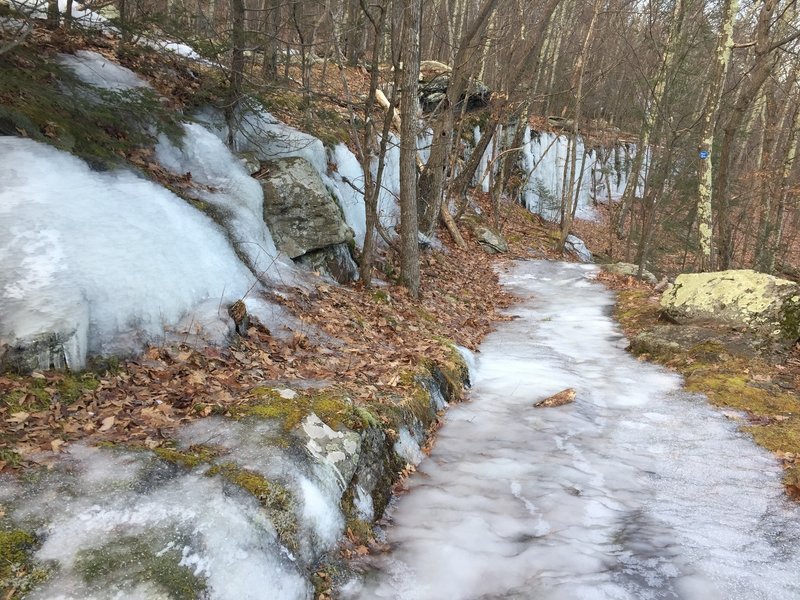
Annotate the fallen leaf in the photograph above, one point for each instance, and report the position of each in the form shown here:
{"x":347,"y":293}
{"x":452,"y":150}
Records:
{"x":18,"y":417}
{"x":108,"y":423}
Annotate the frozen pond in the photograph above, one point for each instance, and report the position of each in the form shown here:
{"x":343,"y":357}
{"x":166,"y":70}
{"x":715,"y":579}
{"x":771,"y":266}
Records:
{"x":636,"y":491}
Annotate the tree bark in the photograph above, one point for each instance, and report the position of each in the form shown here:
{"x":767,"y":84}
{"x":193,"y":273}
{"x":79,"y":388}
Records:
{"x":710,"y":112}
{"x":409,"y":103}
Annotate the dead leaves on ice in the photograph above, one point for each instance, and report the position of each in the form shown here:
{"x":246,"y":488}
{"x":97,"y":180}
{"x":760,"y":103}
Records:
{"x":565,"y":396}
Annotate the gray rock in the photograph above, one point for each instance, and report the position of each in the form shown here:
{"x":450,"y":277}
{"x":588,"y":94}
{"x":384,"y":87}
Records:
{"x":490,"y":239}
{"x":742,"y":298}
{"x":337,"y":451}
{"x":575,"y":245}
{"x":623,"y":268}
{"x":302,"y":215}
{"x":334,"y":261}
{"x":434,"y":81}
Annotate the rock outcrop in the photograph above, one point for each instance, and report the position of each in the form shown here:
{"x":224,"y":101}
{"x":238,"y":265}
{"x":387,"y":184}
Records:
{"x":755,"y":301}
{"x":576,"y":246}
{"x":434,"y":81}
{"x":305,"y":219}
{"x":631,"y":270}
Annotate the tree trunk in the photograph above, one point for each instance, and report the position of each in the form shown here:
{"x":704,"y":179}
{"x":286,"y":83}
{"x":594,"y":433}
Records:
{"x":570,"y":194}
{"x":237,"y":70}
{"x":716,"y":86}
{"x":409,"y":103}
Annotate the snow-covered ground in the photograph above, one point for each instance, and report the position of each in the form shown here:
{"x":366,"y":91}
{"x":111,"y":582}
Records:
{"x":636,"y":491}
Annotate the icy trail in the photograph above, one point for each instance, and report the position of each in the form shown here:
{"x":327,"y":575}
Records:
{"x":636,"y":491}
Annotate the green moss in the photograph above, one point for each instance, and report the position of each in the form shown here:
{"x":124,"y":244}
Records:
{"x":634,"y":310}
{"x":136,"y":560}
{"x":39,"y":394}
{"x":333,"y":408}
{"x":15,"y":549}
{"x":274,"y":498}
{"x":192,"y":457}
{"x":47,"y":102}
{"x":381,"y":296}
{"x":359,"y":531}
{"x":18,"y":574}
{"x":781,"y":436}
{"x":790,"y":319}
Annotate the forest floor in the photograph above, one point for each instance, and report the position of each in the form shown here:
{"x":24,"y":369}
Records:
{"x":380,"y":333}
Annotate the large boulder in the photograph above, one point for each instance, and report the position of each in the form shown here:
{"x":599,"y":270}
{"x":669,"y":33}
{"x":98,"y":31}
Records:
{"x":743,"y":298}
{"x":301,"y":213}
{"x":434,"y":80}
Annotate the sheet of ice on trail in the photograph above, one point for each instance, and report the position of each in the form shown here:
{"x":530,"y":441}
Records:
{"x":95,"y":69}
{"x":111,"y":256}
{"x":224,"y":183}
{"x":349,"y":179}
{"x":117,"y":502}
{"x":636,"y":491}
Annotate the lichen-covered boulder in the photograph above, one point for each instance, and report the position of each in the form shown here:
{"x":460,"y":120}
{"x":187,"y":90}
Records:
{"x":761,"y":303}
{"x":302,"y":215}
{"x":631,"y":270}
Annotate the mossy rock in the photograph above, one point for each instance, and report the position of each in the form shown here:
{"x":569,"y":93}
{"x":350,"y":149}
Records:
{"x":138,"y":560}
{"x":276,"y":500}
{"x":334,"y":408}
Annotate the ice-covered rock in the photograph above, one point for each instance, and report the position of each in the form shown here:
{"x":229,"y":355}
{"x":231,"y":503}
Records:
{"x":576,"y":246}
{"x":743,"y":298}
{"x":349,"y":179}
{"x":104,"y":261}
{"x":601,"y":173}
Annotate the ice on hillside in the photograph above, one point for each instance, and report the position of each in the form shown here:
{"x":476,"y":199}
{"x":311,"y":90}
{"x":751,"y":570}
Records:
{"x":424,"y":142}
{"x":109,"y":260}
{"x":255,"y":446}
{"x":95,"y":69}
{"x":236,"y":198}
{"x":483,"y":175}
{"x":102,"y":504}
{"x":635,"y":491}
{"x":601,"y":173}
{"x":178,"y":48}
{"x":389,"y":195}
{"x":349,"y":179}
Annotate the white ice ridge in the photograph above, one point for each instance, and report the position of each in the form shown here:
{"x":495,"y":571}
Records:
{"x":108,"y":260}
{"x":601,"y":173}
{"x":636,"y":491}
